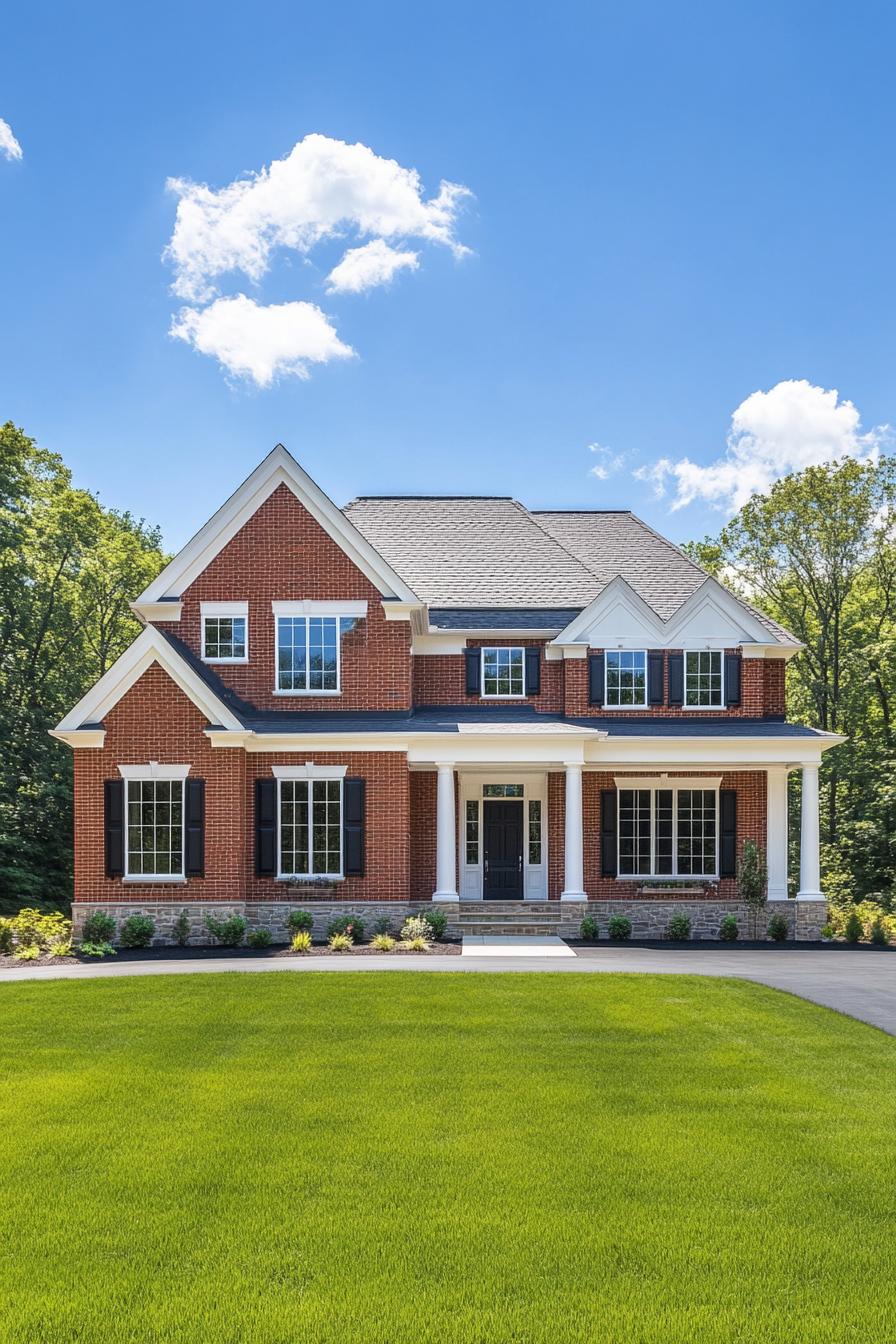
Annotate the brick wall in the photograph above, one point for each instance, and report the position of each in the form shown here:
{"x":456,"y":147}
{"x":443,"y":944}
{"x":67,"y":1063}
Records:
{"x":441,"y":679}
{"x":759,"y":692}
{"x":282,"y":554}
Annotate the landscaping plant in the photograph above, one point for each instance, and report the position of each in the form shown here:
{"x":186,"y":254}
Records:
{"x":5,"y":937}
{"x":350,"y":925}
{"x":678,"y":930}
{"x":414,"y":944}
{"x":137,"y":931}
{"x":853,"y":929}
{"x":228,"y":932}
{"x":180,"y":930}
{"x":438,"y":923}
{"x":752,"y":882}
{"x":589,"y":930}
{"x":98,"y":927}
{"x":340,"y":942}
{"x":728,"y":930}
{"x":382,"y":942}
{"x":619,"y":928}
{"x":27,"y":952}
{"x":383,"y":925}
{"x":297,"y":920}
{"x":259,"y":938}
{"x":97,"y":949}
{"x":34,"y":928}
{"x":879,"y":935}
{"x":415,"y":926}
{"x":778,"y":928}
{"x":301,"y":941}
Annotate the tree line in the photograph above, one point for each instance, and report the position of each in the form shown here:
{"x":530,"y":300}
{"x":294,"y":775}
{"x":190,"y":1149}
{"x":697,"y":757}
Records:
{"x":817,"y":553}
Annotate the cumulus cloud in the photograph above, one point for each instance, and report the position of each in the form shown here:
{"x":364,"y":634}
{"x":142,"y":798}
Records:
{"x":792,"y":426}
{"x":9,"y":145}
{"x":368,"y":266}
{"x":320,"y":190}
{"x":261,"y":342}
{"x":608,"y":462}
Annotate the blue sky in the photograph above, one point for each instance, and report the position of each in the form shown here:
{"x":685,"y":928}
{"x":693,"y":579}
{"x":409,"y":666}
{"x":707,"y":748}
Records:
{"x":672,"y":208}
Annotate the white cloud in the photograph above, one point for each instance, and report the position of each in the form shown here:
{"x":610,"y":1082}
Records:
{"x":792,"y":426}
{"x":9,"y":145}
{"x":259,"y":342}
{"x":608,"y":462}
{"x":322,"y":188}
{"x":365,"y":267}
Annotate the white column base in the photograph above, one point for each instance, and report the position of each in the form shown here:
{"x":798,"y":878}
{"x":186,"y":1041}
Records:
{"x":573,"y":896}
{"x":810,"y":896}
{"x":445,"y":896}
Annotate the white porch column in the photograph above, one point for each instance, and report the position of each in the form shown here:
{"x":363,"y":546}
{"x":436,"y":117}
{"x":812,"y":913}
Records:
{"x":446,"y":844}
{"x":810,"y":867}
{"x":574,"y":868}
{"x":776,"y":832}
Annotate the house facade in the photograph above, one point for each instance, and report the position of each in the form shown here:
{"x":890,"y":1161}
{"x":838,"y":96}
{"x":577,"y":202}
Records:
{"x":521,"y":715}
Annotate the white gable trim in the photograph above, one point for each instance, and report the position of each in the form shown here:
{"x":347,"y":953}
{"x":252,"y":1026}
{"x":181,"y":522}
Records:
{"x":711,"y":593}
{"x":617,"y":593}
{"x":278,"y":468}
{"x":149,"y":647}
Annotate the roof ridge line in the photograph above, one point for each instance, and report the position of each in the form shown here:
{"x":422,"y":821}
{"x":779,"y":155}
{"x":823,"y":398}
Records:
{"x":578,"y":559}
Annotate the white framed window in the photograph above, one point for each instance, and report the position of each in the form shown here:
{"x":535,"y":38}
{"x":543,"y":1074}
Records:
{"x":308,"y":645}
{"x":503,"y":673}
{"x":668,"y":831}
{"x":225,"y":632}
{"x":309,"y":817}
{"x":626,"y":679}
{"x":703,"y":679}
{"x":154,"y":822}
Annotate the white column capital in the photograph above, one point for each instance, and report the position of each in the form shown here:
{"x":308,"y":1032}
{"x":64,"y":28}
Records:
{"x":574,"y":875}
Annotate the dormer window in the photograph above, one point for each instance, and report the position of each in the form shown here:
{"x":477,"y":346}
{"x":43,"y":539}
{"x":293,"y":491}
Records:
{"x":308,"y":652}
{"x":225,"y":632}
{"x":703,"y":684}
{"x":503,"y":673}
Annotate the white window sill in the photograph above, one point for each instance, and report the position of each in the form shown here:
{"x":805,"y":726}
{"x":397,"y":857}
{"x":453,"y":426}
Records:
{"x":667,"y":880}
{"x":484,"y":696}
{"x":150,"y":879}
{"x":614,"y":709}
{"x":318,"y":694}
{"x":700,"y":709}
{"x":310,"y":880}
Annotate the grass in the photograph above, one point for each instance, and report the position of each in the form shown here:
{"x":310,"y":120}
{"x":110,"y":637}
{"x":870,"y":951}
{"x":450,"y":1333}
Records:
{"x":468,"y":1159}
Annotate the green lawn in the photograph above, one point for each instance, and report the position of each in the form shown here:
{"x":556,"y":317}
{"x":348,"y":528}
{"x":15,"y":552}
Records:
{"x":453,"y":1158}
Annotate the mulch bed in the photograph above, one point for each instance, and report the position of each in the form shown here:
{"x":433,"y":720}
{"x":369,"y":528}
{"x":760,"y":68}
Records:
{"x":213,"y":953}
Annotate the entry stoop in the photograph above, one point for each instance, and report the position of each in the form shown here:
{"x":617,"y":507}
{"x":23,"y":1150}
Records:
{"x":509,"y":918}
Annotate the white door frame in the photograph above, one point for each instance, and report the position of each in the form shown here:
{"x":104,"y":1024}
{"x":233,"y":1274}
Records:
{"x":535,"y":789}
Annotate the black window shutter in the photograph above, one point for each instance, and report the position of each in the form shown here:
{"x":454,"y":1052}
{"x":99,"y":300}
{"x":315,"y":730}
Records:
{"x":474,"y":665}
{"x":654,"y":678}
{"x":595,"y":679}
{"x":113,"y":815}
{"x":353,"y":827}
{"x":533,"y":671}
{"x":727,"y":832}
{"x":732,"y":679}
{"x":194,"y":813}
{"x":676,"y":678}
{"x":608,"y":832}
{"x":266,"y":827}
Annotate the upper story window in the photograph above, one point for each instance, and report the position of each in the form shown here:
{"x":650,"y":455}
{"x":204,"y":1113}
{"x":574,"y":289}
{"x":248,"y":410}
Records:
{"x":703,"y":683}
{"x":503,"y":672}
{"x":308,"y":653}
{"x":225,"y":632}
{"x":626,"y":675}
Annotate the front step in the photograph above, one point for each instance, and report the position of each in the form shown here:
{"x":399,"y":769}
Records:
{"x":509,"y":929}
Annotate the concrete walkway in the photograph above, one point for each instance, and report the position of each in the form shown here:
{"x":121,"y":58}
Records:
{"x":859,"y":983}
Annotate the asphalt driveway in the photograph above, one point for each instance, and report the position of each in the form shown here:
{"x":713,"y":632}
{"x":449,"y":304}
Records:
{"x":859,"y":982}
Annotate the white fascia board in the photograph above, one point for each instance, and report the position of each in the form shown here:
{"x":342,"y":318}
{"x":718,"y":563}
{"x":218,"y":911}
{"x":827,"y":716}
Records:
{"x":776,"y":652}
{"x":154,"y":770}
{"x":149,"y":647}
{"x":676,"y":781}
{"x":704,"y":753}
{"x":80,"y":737}
{"x":148,"y":612}
{"x":240,"y":608}
{"x":616,"y":591}
{"x":422,"y":645}
{"x":278,"y":468}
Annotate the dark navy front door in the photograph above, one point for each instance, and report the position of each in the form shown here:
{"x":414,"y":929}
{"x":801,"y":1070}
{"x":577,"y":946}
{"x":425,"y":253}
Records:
{"x":503,"y":849}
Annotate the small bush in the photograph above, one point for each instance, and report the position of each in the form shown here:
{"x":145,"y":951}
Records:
{"x":778,"y":929}
{"x":415,"y":926}
{"x":827,"y":933}
{"x":678,"y":930}
{"x":31,"y":926}
{"x":63,"y":948}
{"x":350,"y":925}
{"x":415,"y":944}
{"x":5,"y":937}
{"x":382,"y":942}
{"x":340,"y":942}
{"x":301,"y":941}
{"x":619,"y":928}
{"x":589,"y":929}
{"x":98,"y":928}
{"x":853,"y":930}
{"x":137,"y":931}
{"x":297,"y":920}
{"x":728,"y":930}
{"x":259,"y":938}
{"x":383,"y":925}
{"x":181,"y":929}
{"x":228,"y":932}
{"x":97,"y":950}
{"x":438,"y":923}
{"x":879,"y":935}
{"x":27,"y":952}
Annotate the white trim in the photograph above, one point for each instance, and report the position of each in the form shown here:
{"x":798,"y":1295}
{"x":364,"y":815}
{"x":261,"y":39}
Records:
{"x":149,"y":647}
{"x":310,"y":876}
{"x":423,"y":645}
{"x":663,"y":780}
{"x":80,"y":737}
{"x":309,"y":771}
{"x":218,"y":611}
{"x":154,"y":770}
{"x":240,"y":608}
{"x":157,"y":611}
{"x":151,"y":880}
{"x":501,"y":648}
{"x":645,"y":703}
{"x":470,"y":790}
{"x":278,"y":468}
{"x":309,"y":608}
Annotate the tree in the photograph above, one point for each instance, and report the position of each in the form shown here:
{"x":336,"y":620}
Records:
{"x":752,"y":882}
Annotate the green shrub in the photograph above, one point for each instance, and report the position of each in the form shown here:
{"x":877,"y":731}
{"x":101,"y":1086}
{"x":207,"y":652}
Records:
{"x":678,"y":930}
{"x":97,"y":950}
{"x":383,"y":925}
{"x":297,"y":920}
{"x":27,"y":952}
{"x":438,"y":923}
{"x":340,"y":942}
{"x":827,"y":933}
{"x":5,"y":937}
{"x":415,"y":944}
{"x":31,"y":926}
{"x":229,"y":932}
{"x":778,"y":929}
{"x":63,"y":948}
{"x":415,"y":926}
{"x":752,"y":882}
{"x":853,"y":929}
{"x":301,"y":941}
{"x":259,"y":938}
{"x":728,"y":930}
{"x":382,"y":942}
{"x":98,"y":928}
{"x":137,"y":931}
{"x":879,"y":935}
{"x":589,"y":930}
{"x":181,"y":929}
{"x":619,"y":928}
{"x":350,"y":925}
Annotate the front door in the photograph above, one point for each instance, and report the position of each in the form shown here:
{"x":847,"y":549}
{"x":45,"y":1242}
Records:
{"x":503,"y":849}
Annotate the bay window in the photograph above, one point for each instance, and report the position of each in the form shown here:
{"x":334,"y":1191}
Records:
{"x":668,"y":832}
